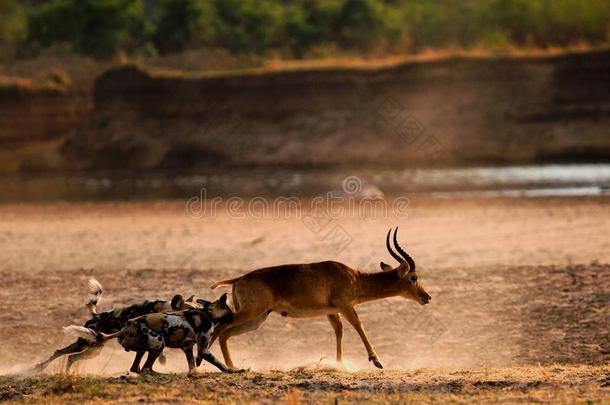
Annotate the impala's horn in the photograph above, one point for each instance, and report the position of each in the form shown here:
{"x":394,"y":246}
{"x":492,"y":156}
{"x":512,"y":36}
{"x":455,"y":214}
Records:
{"x":387,"y":244}
{"x":404,"y":254}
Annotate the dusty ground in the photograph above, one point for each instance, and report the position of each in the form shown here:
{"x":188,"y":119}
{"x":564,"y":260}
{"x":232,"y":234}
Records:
{"x":555,"y":384}
{"x":521,"y":286}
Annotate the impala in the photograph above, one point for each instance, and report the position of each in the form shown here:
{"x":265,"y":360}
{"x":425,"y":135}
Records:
{"x":316,"y":289}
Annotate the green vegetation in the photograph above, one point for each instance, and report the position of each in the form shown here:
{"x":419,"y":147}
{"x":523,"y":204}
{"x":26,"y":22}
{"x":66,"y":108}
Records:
{"x":13,"y":27}
{"x":103,"y":28}
{"x":94,"y":27}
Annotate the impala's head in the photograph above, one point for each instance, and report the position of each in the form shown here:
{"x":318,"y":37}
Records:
{"x":410,"y":286}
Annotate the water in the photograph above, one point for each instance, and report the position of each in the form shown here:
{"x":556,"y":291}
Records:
{"x":508,"y":181}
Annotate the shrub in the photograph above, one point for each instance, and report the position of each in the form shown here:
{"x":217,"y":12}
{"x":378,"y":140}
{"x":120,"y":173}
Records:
{"x":185,"y":24}
{"x":99,"y":28}
{"x":13,"y":28}
{"x":248,"y":25}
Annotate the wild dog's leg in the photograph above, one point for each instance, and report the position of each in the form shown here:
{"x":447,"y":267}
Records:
{"x":154,"y":344}
{"x":135,"y":366}
{"x":190,"y":359}
{"x":89,"y":353}
{"x":150,"y":360}
{"x":76,"y":347}
{"x":210,"y":358}
{"x":352,"y":317}
{"x":231,"y":331}
{"x":335,"y":322}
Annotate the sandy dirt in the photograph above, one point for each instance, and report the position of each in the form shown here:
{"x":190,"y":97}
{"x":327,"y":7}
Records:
{"x":515,"y":283}
{"x":557,"y":385}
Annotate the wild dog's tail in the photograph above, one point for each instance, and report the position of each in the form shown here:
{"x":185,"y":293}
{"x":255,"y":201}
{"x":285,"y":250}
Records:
{"x":91,"y":335}
{"x":224,"y":282}
{"x":95,"y":294}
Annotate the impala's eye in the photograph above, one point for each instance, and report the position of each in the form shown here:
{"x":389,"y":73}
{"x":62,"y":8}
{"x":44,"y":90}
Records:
{"x":413,"y":279}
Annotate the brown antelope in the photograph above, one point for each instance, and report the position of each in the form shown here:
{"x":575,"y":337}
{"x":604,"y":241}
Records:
{"x":308,"y":290}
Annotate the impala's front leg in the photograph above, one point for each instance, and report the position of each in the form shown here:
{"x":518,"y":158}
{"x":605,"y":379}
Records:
{"x":352,"y":317}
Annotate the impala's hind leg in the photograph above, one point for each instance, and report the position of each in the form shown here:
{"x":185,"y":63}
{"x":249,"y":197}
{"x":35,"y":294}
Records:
{"x":247,"y":326}
{"x":252,"y":301}
{"x":335,"y":322}
{"x":76,"y":347}
{"x":89,"y":353}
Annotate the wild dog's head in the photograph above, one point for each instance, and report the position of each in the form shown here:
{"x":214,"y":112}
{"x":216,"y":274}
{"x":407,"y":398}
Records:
{"x":180,"y":304}
{"x":219,"y":311}
{"x":409,"y":283}
{"x":106,"y":321}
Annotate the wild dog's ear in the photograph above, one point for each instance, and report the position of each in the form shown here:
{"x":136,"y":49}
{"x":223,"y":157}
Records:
{"x":177,"y":302}
{"x":190,"y":299}
{"x":190,"y":305}
{"x":385,"y":267}
{"x":223,"y":299}
{"x":403,"y":269}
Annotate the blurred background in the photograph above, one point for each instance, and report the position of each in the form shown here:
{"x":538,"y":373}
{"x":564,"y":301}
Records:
{"x":157,"y":98}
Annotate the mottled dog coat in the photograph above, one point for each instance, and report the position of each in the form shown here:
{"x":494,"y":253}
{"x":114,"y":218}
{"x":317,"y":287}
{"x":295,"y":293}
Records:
{"x":181,"y":330}
{"x":110,"y":322}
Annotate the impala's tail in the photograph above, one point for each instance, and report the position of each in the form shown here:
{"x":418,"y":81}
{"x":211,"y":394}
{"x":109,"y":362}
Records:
{"x":95,"y":293}
{"x":224,"y":282}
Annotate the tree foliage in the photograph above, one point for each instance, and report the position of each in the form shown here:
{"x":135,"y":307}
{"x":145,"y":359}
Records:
{"x":295,"y":27}
{"x":93,"y":27}
{"x":13,"y":28}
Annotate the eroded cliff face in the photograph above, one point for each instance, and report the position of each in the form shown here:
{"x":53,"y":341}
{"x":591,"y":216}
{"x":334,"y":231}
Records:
{"x":455,"y":111}
{"x":445,"y":112}
{"x":34,"y":120}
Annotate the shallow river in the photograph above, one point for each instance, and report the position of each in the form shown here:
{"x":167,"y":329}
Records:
{"x":509,"y":181}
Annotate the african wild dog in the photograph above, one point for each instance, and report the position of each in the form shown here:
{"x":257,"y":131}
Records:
{"x":181,"y":330}
{"x":110,"y":322}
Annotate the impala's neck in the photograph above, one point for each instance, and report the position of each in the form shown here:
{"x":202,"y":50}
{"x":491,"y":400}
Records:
{"x":373,"y":286}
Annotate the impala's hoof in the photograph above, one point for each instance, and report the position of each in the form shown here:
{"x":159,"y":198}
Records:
{"x":376,"y":362}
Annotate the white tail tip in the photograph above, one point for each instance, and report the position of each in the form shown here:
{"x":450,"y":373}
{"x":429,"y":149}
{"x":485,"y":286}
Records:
{"x":80,"y":331}
{"x":95,"y":290}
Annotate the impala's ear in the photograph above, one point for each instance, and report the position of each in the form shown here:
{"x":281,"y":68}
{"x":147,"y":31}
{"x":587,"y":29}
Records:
{"x":190,"y":299}
{"x":403,"y":270}
{"x":385,"y":267}
{"x":223,"y":299}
